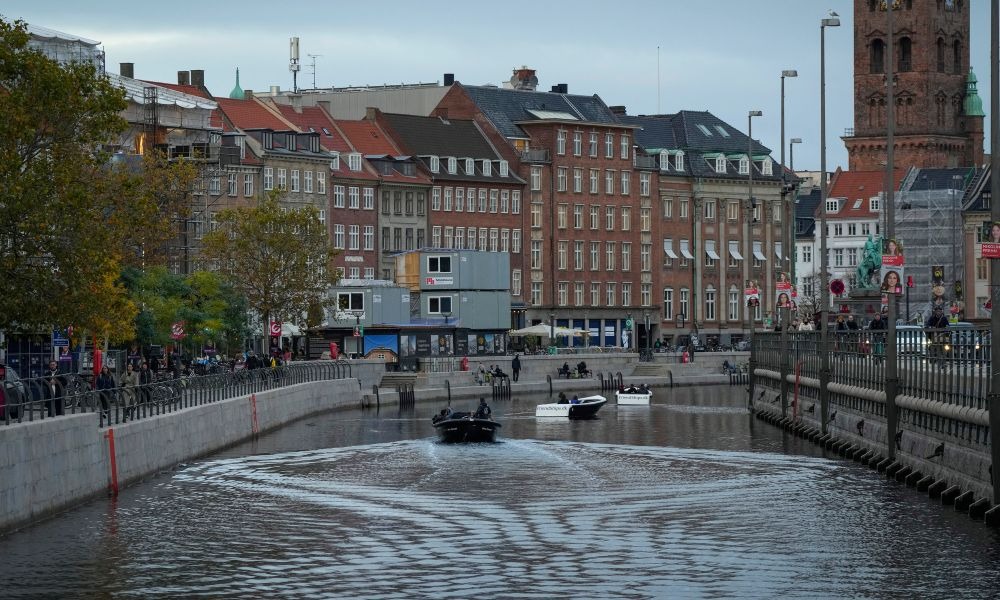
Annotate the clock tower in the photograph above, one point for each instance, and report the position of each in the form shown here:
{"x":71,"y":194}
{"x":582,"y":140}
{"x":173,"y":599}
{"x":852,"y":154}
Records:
{"x":939,"y":115}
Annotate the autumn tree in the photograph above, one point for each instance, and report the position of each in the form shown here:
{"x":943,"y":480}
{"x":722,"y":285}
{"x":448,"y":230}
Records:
{"x":278,"y":259}
{"x":69,"y":215}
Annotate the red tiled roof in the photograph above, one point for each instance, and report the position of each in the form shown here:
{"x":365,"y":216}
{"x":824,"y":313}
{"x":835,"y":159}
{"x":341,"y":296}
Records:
{"x":250,"y":114}
{"x":185,"y":89}
{"x":859,"y":185}
{"x":315,"y":118}
{"x":367,"y":138}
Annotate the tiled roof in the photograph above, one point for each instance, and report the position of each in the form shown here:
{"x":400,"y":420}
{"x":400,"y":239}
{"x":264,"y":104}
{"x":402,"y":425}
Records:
{"x":366,"y":137}
{"x":505,"y":107}
{"x":187,"y":89}
{"x":980,"y":185}
{"x":250,"y":114}
{"x":314,"y":118}
{"x":805,"y":212}
{"x":851,"y":186}
{"x":441,"y":137}
{"x":939,"y":179}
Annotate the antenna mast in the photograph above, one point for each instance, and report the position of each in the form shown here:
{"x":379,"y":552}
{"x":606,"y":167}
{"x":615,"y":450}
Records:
{"x":293,"y":62}
{"x":313,"y":65}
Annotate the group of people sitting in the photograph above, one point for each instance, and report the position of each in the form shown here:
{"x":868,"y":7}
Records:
{"x":580,"y":371}
{"x":484,"y":375}
{"x":633,"y":389}
{"x":483,"y":411}
{"x":564,"y":400}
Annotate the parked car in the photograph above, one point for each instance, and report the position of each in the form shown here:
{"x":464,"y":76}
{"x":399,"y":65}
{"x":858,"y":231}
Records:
{"x":911,"y":340}
{"x":12,"y":393}
{"x":965,"y":342}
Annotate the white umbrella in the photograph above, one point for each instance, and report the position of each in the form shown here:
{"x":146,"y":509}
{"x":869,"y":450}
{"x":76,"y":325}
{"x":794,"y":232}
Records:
{"x":545,"y":330}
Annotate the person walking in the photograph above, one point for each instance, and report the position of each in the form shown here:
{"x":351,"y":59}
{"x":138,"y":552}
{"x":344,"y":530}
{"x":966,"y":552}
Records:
{"x":145,"y":384}
{"x":55,"y":389}
{"x":515,"y":366}
{"x":130,"y":385}
{"x":105,"y":389}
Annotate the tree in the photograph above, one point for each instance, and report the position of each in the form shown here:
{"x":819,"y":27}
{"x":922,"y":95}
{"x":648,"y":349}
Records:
{"x":68,"y":212}
{"x":277,"y":259}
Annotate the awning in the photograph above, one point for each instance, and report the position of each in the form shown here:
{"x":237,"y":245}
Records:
{"x":734,"y":250}
{"x":685,"y":251}
{"x":757,"y":252}
{"x":668,"y":248}
{"x":777,"y":250}
{"x":710,"y":249}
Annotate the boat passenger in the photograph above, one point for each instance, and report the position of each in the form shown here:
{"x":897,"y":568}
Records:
{"x":562,"y":398}
{"x":575,"y":400}
{"x":483,"y":410}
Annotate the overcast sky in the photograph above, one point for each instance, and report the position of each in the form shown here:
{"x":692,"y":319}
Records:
{"x":724,"y":56}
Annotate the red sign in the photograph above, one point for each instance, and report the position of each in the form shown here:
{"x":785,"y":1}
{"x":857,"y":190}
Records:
{"x":275,"y":328}
{"x":357,"y":332}
{"x":177,"y":330}
{"x":991,"y":250}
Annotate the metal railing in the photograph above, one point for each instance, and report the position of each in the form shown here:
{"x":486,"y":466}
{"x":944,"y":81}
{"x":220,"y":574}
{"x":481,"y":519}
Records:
{"x":535,"y":156}
{"x":32,"y":399}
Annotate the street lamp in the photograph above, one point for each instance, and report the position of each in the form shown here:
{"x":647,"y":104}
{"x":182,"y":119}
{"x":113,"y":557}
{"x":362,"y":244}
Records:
{"x":552,"y":330}
{"x":649,"y":337}
{"x":787,"y":241}
{"x":824,"y":394}
{"x":791,"y":153}
{"x":360,"y":331}
{"x":748,"y":217}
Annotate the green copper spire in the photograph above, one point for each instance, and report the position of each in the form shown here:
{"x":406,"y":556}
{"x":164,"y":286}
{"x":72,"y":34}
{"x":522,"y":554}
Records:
{"x":237,"y":93}
{"x":973,"y":105}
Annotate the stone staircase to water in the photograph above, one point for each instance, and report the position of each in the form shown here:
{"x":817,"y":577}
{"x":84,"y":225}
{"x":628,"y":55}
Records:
{"x":651,"y":370}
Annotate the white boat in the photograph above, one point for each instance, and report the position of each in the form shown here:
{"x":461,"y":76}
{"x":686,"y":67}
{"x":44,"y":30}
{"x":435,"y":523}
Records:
{"x":629,"y":397}
{"x":584,"y":408}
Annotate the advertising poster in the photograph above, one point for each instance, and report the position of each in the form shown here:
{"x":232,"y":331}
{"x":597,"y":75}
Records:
{"x":991,"y":240}
{"x":892,"y":280}
{"x":752,"y":293}
{"x":783,"y":291}
{"x":892,"y":253}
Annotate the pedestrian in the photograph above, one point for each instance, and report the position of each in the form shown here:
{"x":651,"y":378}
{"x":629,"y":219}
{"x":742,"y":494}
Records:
{"x":852,"y":325}
{"x":145,"y":383}
{"x":55,"y":389}
{"x":105,"y":389}
{"x":515,"y":366}
{"x":130,"y":384}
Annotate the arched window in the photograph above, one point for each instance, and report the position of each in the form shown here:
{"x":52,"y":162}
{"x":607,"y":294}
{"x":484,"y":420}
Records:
{"x":905,"y":55}
{"x":957,"y":58}
{"x":877,"y":57}
{"x":940,"y":55}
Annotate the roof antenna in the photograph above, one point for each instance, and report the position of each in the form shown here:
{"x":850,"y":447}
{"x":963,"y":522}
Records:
{"x":293,"y":62}
{"x":313,"y":65}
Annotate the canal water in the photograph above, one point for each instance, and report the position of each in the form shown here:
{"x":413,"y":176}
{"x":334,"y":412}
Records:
{"x":690,"y":497}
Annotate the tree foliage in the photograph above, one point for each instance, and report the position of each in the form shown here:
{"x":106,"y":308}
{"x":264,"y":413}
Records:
{"x":70,"y":216}
{"x":278,"y":259}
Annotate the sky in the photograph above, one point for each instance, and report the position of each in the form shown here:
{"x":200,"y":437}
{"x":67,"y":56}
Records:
{"x":724,"y":56}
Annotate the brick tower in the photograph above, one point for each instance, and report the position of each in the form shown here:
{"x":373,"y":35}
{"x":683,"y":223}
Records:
{"x":936,"y":100}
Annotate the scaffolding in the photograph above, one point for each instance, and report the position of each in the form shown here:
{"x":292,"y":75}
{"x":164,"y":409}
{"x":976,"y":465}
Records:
{"x":929,"y":227}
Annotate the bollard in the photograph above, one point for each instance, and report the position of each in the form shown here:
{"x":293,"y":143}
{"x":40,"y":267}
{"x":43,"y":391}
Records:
{"x":549,"y":378}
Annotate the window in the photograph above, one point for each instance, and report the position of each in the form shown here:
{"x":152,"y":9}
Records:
{"x":595,"y":294}
{"x":483,"y":232}
{"x":852,"y":257}
{"x":646,"y":291}
{"x":626,"y":218}
{"x":437,"y":305}
{"x":578,"y":294}
{"x":268,"y":178}
{"x":385,"y":238}
{"x":369,"y":196}
{"x":335,"y":161}
{"x":351,"y":301}
{"x":504,"y":168}
{"x":561,"y":142}
{"x":536,"y":215}
{"x":668,"y":208}
{"x":561,"y":179}
{"x":609,"y":256}
{"x":645,"y":219}
{"x":595,"y":256}
{"x":838,"y":229}
{"x":609,"y":145}
{"x":578,"y":180}
{"x":472,"y":238}
{"x":505,"y":201}
{"x":593,"y":144}
{"x":609,"y":182}
{"x":732,"y":210}
{"x":684,"y":300}
{"x":734,"y":304}
{"x":807,"y":254}
{"x":459,"y":200}
{"x":577,"y":216}
{"x":282,"y":174}
{"x":439,"y":264}
{"x":214,"y":186}
{"x":563,"y":293}
{"x":744,"y":165}
{"x":577,"y":143}
{"x":710,"y":304}
{"x":515,"y":202}
{"x":452,"y":165}
{"x":470,"y":166}
{"x":626,"y":256}
{"x":247,"y":185}
{"x":494,"y":201}
{"x":876,"y":57}
{"x":982,"y":269}
{"x":831,"y":206}
{"x":562,"y":255}
{"x":709,"y":210}
{"x":594,"y":217}
{"x":838,"y":257}
{"x":767,"y":167}
{"x":487,"y":167}
{"x":232,"y":184}
{"x":436,"y":236}
{"x":644,"y":179}
{"x":664,"y":160}
{"x":626,"y":182}
{"x":684,"y":209}
{"x":852,"y":229}
{"x":595,"y":176}
{"x":578,"y":255}
{"x":494,"y":238}
{"x":505,"y":240}
{"x":446,"y":199}
{"x":626,"y":294}
{"x":354,"y":237}
{"x":609,"y":218}
{"x":536,"y":254}
{"x":515,"y":282}
{"x":679,"y":161}
{"x":308,"y":182}
{"x":338,"y":196}
{"x":611,"y":293}
{"x":369,"y":237}
{"x":295,"y":180}
{"x":536,"y":292}
{"x":435,"y":165}
{"x":562,"y":216}
{"x":625,"y":146}
{"x":645,"y":257}
{"x":338,"y":236}
{"x":320,"y":182}
{"x":720,"y":164}
{"x":369,"y":272}
{"x":875,"y":204}
{"x":536,"y":179}
{"x":353,"y":197}
{"x":905,"y":55}
{"x":354,"y":161}
{"x":515,"y":241}
{"x":449,"y":237}
{"x":482,"y":200}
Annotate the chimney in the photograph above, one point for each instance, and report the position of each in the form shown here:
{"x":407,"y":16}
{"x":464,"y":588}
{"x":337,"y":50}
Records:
{"x":524,"y":79}
{"x":275,"y":90}
{"x":248,"y":94}
{"x":563,"y":88}
{"x":183,"y":78}
{"x":198,"y":77}
{"x":127,"y":70}
{"x":449,"y":79}
{"x":296,"y":101}
{"x":617,"y":110}
{"x":370,"y":113}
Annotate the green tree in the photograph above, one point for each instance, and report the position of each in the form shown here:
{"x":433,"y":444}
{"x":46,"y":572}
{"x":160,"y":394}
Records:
{"x":69,"y":216}
{"x":277,"y":259}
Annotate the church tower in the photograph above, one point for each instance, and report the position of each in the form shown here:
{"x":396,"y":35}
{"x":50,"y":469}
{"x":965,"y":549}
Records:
{"x":931,"y":65}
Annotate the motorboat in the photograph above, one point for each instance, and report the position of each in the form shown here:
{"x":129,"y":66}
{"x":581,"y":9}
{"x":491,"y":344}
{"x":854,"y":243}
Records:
{"x":582,"y":408}
{"x":634,"y":396}
{"x":459,"y":427}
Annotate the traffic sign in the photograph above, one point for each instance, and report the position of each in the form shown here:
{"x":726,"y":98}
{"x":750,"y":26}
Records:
{"x":59,"y":339}
{"x":275,"y":328}
{"x":177,"y":330}
{"x":628,"y":323}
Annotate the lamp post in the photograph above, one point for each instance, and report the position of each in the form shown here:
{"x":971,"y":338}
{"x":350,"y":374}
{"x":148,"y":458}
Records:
{"x":552,"y":332}
{"x":628,"y":321}
{"x":791,"y":153}
{"x":794,"y":223}
{"x":993,"y":399}
{"x":747,"y":230}
{"x":786,"y":241}
{"x":824,"y":275}
{"x":361,"y":332}
{"x":891,"y":373}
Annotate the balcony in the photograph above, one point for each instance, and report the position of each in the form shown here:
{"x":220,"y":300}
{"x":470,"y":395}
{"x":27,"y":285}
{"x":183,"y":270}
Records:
{"x":644,"y":162}
{"x":535,"y":156}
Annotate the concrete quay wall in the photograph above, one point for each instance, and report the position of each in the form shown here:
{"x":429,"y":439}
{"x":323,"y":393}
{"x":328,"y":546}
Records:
{"x":51,"y":465}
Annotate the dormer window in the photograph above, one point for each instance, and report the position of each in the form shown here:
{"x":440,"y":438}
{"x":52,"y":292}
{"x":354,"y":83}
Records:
{"x":768,"y":166}
{"x":452,"y":165}
{"x":354,"y":161}
{"x":268,"y":139}
{"x":720,"y":164}
{"x":335,"y":161}
{"x":435,"y":164}
{"x":487,"y":167}
{"x":314,"y":143}
{"x":679,"y":161}
{"x":832,"y":205}
{"x":664,"y":160}
{"x":241,"y":142}
{"x":875,"y":204}
{"x":504,"y":168}
{"x":470,"y":166}
{"x":744,"y":166}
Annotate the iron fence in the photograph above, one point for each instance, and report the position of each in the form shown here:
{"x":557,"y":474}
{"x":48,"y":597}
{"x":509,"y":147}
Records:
{"x":37,"y":398}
